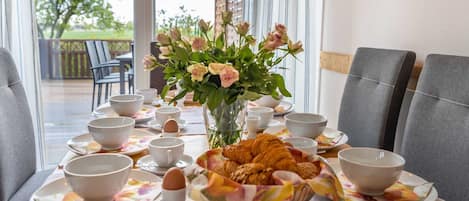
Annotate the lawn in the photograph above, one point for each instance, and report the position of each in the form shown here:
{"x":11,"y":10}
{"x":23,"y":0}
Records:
{"x":126,"y":35}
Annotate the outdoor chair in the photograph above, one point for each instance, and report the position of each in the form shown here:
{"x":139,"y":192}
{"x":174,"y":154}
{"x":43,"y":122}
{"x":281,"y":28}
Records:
{"x":98,"y":74}
{"x":373,"y":96}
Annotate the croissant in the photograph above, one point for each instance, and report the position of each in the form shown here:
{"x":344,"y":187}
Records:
{"x":238,"y":153}
{"x":253,"y":173}
{"x":278,"y":158}
{"x":264,"y":142}
{"x":307,"y":170}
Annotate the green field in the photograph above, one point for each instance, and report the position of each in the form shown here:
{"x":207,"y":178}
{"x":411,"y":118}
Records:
{"x":126,"y":35}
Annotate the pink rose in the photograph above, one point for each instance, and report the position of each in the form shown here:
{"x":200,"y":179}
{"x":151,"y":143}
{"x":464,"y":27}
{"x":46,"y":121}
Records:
{"x":273,"y":41}
{"x":228,"y":76}
{"x":295,"y":48}
{"x":163,"y":39}
{"x":215,"y":68}
{"x":175,"y":34}
{"x":198,"y":44}
{"x":281,"y":28}
{"x":242,"y":28}
{"x":149,"y":62}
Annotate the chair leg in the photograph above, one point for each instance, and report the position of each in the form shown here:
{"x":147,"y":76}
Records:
{"x":100,"y":87}
{"x":92,"y":99}
{"x":106,"y":92}
{"x":110,"y":90}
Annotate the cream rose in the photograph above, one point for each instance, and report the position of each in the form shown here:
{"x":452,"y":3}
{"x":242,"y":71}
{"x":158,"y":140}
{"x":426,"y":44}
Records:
{"x":228,"y":76}
{"x":215,"y":68}
{"x":197,"y":72}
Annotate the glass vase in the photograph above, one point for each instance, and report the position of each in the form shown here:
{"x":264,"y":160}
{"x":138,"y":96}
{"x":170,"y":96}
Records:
{"x":225,"y":123}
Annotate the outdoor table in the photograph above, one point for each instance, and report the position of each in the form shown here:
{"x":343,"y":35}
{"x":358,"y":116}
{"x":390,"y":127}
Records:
{"x":123,"y":59}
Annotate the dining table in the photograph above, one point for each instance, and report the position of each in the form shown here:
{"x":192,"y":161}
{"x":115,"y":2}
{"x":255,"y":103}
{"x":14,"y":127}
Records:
{"x":194,"y":137}
{"x":124,"y":59}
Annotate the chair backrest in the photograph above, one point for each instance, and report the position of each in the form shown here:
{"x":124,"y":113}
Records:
{"x":107,"y":52}
{"x":17,"y":145}
{"x":100,"y":51}
{"x":436,"y":135}
{"x":373,"y":95}
{"x":101,"y":56}
{"x":93,"y":58}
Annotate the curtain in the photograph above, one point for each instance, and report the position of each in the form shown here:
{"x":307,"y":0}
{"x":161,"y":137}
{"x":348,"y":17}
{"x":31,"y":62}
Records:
{"x":303,"y":19}
{"x":18,"y":35}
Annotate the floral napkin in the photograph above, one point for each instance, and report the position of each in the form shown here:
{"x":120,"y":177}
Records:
{"x":134,"y":190}
{"x":208,"y":185}
{"x":397,"y":192}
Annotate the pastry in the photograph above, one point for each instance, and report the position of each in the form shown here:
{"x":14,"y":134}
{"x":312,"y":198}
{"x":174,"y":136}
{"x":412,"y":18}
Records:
{"x":307,"y":170}
{"x":238,"y":153}
{"x":253,"y":173}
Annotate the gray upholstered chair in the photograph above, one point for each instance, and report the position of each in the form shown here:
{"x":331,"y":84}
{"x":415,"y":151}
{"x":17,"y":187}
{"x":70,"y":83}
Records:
{"x":18,"y":176}
{"x":373,"y":95}
{"x":436,"y":135}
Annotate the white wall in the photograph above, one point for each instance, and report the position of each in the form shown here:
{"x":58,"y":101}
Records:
{"x":424,"y":26}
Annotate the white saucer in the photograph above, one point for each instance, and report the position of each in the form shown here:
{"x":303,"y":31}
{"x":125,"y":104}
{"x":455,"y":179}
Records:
{"x":146,"y":163}
{"x":55,"y":190}
{"x":146,"y":113}
{"x":84,"y":144}
{"x":155,"y":125}
{"x":288,"y":107}
{"x":406,"y":178}
{"x":282,"y":131}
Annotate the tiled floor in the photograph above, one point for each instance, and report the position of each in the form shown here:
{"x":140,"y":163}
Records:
{"x":67,"y":110}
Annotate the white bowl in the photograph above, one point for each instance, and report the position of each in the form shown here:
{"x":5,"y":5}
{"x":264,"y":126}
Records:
{"x":306,"y":145}
{"x":371,"y":170}
{"x":268,"y":101}
{"x":126,"y":105}
{"x":305,"y":124}
{"x":98,"y":176}
{"x":111,"y":132}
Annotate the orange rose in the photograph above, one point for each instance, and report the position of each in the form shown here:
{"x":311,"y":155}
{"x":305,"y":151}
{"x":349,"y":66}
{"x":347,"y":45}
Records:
{"x":215,"y":68}
{"x":198,"y":44}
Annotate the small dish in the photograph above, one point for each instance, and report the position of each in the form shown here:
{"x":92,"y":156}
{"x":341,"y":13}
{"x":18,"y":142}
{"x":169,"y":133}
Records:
{"x":328,"y":133}
{"x":155,"y":125}
{"x":286,"y":106}
{"x":146,"y":163}
{"x":145,"y":114}
{"x":84,"y":144}
{"x":141,"y":186}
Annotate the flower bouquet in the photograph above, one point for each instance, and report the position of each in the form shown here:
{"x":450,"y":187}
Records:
{"x":224,"y":76}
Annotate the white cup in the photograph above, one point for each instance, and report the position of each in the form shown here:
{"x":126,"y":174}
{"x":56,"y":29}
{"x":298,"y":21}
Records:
{"x":266,"y":114}
{"x":162,"y":114}
{"x":304,"y":144}
{"x":166,"y":152}
{"x":148,"y":95}
{"x":252,"y":124}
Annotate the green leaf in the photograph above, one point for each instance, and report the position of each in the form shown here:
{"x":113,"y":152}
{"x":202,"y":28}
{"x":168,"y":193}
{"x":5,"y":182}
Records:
{"x":220,"y":41}
{"x":179,"y":95}
{"x":281,"y":84}
{"x":181,"y":54}
{"x":249,"y":95}
{"x":215,"y":98}
{"x":165,"y":91}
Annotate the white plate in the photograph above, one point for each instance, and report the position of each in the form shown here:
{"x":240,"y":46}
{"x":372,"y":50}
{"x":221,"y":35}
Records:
{"x":84,"y":144}
{"x":146,"y":113}
{"x":55,"y":190}
{"x":146,"y":163}
{"x":282,"y":131}
{"x":155,"y":125}
{"x":288,"y":107}
{"x":406,"y":178}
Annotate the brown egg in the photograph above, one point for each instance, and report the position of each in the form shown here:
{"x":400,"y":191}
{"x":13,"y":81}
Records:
{"x":171,"y":126}
{"x":174,"y":179}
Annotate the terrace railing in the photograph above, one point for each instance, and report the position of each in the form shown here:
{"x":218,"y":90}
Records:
{"x":67,"y":59}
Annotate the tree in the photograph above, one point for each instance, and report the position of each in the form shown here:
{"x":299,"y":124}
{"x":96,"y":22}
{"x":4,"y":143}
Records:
{"x":54,"y":16}
{"x":184,"y":21}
